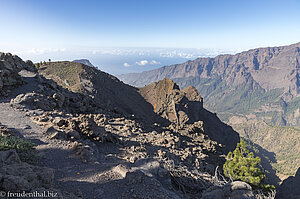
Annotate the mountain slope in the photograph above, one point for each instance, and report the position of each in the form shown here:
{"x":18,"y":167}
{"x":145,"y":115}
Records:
{"x":112,"y":94}
{"x":106,"y":89}
{"x":263,"y":81}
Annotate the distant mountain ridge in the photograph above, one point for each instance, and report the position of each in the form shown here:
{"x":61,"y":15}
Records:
{"x":283,"y":62}
{"x":84,"y":61}
{"x":263,"y":81}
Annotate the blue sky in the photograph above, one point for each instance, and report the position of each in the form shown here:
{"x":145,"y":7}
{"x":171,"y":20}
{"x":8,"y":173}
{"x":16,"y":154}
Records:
{"x":72,"y":28}
{"x":148,"y":23}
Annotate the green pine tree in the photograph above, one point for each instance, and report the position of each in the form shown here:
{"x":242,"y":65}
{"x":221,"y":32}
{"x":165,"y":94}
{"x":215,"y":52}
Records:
{"x":242,"y":165}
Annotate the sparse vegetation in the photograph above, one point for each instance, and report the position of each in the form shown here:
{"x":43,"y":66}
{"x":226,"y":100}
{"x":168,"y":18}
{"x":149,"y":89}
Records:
{"x":24,"y":147}
{"x":67,"y":74}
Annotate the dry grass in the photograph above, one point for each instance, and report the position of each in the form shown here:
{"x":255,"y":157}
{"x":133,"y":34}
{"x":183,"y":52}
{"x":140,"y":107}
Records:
{"x":260,"y":195}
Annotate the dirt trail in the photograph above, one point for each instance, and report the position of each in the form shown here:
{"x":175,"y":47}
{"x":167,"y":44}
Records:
{"x":71,"y":174}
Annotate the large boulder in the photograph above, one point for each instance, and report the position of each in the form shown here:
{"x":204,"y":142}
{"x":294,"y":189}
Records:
{"x":10,"y":66}
{"x":233,"y":190}
{"x":34,"y":101}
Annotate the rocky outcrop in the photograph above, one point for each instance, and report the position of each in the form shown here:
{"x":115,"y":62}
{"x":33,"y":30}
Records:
{"x":159,"y":104}
{"x":184,"y":109}
{"x":10,"y":66}
{"x":245,"y":90}
{"x":179,"y":107}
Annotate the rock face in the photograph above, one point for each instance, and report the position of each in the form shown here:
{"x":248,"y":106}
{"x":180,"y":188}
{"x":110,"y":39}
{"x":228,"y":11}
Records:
{"x":289,"y":189}
{"x":10,"y":65}
{"x":177,"y":106}
{"x":184,"y":108}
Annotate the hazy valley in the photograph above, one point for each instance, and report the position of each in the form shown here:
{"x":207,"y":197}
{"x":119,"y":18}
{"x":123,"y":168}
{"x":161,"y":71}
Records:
{"x":257,"y":92}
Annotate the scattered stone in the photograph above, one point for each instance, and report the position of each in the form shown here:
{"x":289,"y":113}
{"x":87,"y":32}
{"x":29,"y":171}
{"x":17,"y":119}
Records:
{"x":84,"y":151}
{"x":53,"y":133}
{"x":4,"y":131}
{"x":73,"y":134}
{"x":27,"y":127}
{"x":59,"y":98}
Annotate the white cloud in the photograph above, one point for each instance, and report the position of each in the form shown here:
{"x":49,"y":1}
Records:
{"x":44,"y":50}
{"x":154,"y":62}
{"x":142,"y":63}
{"x":94,"y":52}
{"x":126,"y":64}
